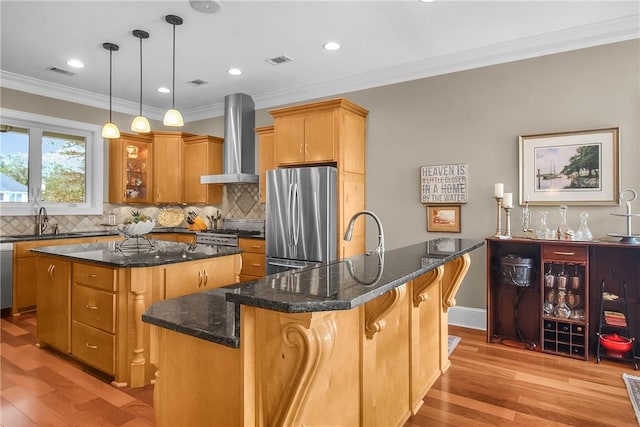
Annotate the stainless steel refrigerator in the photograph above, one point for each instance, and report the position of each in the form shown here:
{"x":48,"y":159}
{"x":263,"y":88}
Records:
{"x":301,"y":223}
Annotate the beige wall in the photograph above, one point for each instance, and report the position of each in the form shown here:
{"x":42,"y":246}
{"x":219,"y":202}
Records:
{"x":472,"y":117}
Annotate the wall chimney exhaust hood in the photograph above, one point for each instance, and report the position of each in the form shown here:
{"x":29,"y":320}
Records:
{"x":239,"y":148}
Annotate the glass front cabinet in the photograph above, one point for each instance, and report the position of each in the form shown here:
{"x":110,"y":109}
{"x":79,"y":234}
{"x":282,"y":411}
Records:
{"x":130,"y":169}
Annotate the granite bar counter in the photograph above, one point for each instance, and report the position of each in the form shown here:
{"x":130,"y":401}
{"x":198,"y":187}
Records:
{"x":319,"y":346}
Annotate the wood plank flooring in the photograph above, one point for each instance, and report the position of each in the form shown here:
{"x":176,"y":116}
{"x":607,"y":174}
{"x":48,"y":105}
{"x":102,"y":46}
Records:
{"x":487,"y":385}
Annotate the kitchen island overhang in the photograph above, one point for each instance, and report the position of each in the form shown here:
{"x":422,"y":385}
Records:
{"x":341,"y":335}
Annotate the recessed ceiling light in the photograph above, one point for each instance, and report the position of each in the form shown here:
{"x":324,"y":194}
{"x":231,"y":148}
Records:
{"x":205,"y":6}
{"x":164,"y":90}
{"x":425,"y":1}
{"x":331,"y":46}
{"x":75,"y":63}
{"x":234,"y":71}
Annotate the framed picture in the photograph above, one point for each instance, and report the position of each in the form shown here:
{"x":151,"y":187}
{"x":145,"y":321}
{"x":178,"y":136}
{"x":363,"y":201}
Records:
{"x":443,"y":218}
{"x":571,"y":168}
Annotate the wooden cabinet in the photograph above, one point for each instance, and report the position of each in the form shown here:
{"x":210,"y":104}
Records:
{"x":168,"y":168}
{"x":253,"y":259}
{"x":93,"y":315}
{"x":202,"y":155}
{"x":558,"y":313}
{"x":328,"y":132}
{"x":53,"y":279}
{"x":25,"y":271}
{"x":130,"y":169}
{"x":267,"y":158}
{"x":190,"y":277}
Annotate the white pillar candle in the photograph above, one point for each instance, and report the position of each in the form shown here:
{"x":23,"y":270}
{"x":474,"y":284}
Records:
{"x":498,"y":189}
{"x":507,"y":200}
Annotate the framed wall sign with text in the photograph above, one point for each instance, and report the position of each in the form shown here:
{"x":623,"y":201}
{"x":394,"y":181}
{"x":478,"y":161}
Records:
{"x":444,"y":184}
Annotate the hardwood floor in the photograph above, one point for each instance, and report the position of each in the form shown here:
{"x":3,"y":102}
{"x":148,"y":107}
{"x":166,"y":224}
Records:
{"x":43,"y":388}
{"x":493,"y":385}
{"x":486,"y":385}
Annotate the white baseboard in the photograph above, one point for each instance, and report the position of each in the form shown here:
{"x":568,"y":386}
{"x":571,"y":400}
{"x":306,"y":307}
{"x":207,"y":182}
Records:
{"x":468,"y":317}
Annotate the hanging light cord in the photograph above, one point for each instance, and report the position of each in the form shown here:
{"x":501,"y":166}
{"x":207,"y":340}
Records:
{"x":110,"y":77}
{"x":173,"y":88}
{"x":141,"y":76}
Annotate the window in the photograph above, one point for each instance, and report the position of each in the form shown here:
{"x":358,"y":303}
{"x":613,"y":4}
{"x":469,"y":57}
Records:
{"x":50,"y":162}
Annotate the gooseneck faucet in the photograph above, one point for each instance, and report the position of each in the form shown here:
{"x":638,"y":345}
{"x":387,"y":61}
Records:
{"x":41,"y":221}
{"x":349,"y":232}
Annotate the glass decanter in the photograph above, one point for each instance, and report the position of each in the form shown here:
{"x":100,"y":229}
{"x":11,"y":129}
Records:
{"x":584,"y":232}
{"x":564,"y":232}
{"x":562,"y":309}
{"x":562,"y":279}
{"x":542,"y":230}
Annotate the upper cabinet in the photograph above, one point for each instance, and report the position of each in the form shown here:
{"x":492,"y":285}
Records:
{"x":167,"y":158}
{"x":267,"y":158}
{"x":130,"y":169}
{"x":319,"y":133}
{"x":202,"y":155}
{"x":164,"y":167}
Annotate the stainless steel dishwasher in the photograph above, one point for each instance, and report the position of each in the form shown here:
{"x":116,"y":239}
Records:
{"x":6,"y":275}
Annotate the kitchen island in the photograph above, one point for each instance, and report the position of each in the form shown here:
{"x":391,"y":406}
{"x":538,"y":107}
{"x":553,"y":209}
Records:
{"x":91,"y":297}
{"x":355,"y":342}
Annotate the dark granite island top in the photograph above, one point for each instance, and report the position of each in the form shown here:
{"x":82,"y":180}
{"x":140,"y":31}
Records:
{"x":342,"y":285}
{"x":115,"y":254}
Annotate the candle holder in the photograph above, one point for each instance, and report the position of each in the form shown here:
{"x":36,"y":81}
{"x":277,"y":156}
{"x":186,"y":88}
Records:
{"x":498,"y":217}
{"x":507,"y":226}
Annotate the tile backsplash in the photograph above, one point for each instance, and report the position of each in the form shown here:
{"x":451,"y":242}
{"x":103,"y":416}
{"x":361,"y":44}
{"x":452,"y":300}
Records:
{"x":238,"y":201}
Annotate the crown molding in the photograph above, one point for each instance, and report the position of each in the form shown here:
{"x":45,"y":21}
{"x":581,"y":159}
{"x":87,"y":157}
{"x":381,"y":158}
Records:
{"x":601,"y":33}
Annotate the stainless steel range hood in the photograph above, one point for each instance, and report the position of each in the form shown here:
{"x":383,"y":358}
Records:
{"x":239,"y":158}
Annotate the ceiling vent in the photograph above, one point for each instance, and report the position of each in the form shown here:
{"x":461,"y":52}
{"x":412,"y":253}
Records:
{"x":198,"y":82}
{"x":279,"y":60}
{"x":61,"y":71}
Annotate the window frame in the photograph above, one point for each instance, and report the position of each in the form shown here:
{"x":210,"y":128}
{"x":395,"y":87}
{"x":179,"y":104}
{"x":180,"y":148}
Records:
{"x":94,"y":167}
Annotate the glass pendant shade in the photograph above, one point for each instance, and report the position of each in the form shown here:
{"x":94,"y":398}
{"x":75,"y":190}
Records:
{"x":173,"y":118}
{"x":110,"y":130}
{"x":140,"y":124}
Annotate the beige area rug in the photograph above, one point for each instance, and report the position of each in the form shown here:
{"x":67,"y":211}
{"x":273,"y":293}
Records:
{"x":633,"y":387}
{"x":453,"y":342}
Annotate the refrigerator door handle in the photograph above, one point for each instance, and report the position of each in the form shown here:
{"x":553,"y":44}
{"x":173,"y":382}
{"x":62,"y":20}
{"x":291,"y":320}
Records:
{"x":289,"y":221}
{"x":296,"y":214}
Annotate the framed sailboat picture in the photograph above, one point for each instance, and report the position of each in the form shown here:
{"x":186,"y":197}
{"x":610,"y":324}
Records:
{"x":572,"y":168}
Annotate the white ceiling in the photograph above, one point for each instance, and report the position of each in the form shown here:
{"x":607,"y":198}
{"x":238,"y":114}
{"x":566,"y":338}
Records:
{"x":382,"y":42}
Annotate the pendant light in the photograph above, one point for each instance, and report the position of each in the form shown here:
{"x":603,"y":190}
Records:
{"x":110,"y":130}
{"x":140,"y":124}
{"x":173,"y":117}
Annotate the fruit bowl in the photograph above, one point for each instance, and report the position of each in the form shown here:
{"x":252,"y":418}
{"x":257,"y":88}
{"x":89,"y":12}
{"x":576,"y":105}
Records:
{"x":615,"y":344}
{"x":137,"y":228}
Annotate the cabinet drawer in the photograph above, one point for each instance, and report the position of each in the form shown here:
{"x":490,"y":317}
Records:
{"x":93,"y":275}
{"x":93,"y":346}
{"x":94,"y":307}
{"x":252,"y":245}
{"x":253,"y":264}
{"x":564,"y":253}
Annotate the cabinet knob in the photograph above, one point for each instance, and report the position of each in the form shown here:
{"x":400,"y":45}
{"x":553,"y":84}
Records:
{"x":93,"y":346}
{"x":92,"y":275}
{"x":52,"y":267}
{"x":206,"y":278}
{"x":199,"y":279}
{"x":91,"y":307}
{"x":564,"y":253}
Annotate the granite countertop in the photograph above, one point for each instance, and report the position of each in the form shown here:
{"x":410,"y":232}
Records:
{"x":127,"y":254}
{"x":342,"y":285}
{"x":80,"y":234}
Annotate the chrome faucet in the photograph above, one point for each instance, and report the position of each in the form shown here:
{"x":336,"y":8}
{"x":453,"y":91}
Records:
{"x":349,"y":232}
{"x":41,"y":221}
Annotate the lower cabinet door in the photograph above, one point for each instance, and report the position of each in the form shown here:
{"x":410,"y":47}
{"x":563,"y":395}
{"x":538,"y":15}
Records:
{"x":94,"y":347}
